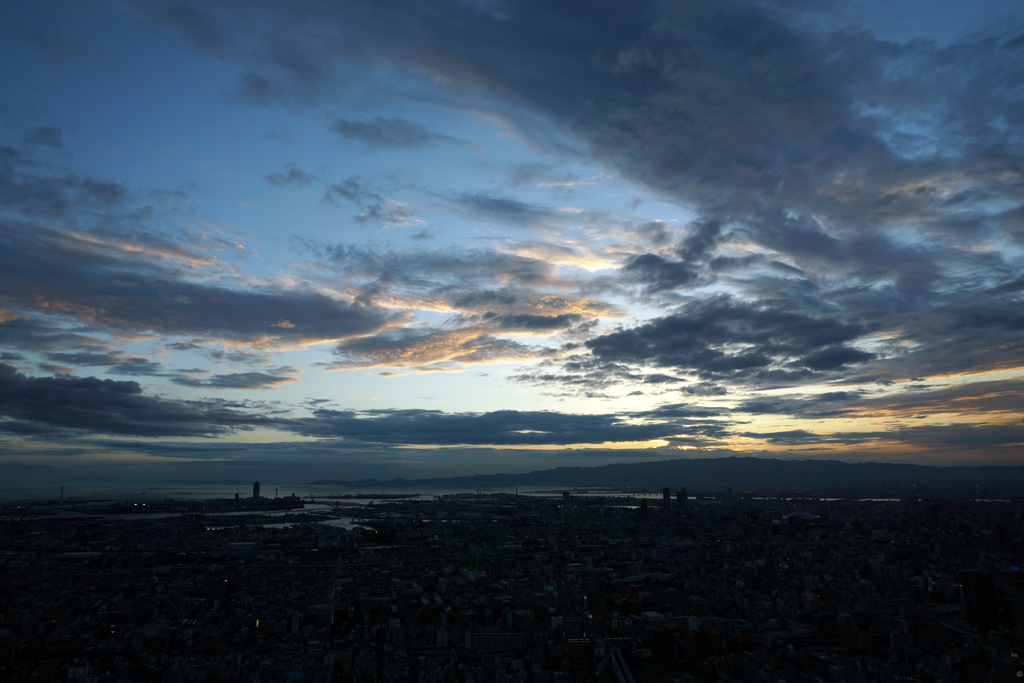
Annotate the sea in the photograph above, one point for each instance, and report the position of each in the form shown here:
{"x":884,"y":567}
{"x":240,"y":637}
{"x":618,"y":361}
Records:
{"x":199,"y":491}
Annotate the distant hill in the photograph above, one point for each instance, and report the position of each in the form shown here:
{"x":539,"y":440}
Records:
{"x":736,"y":472}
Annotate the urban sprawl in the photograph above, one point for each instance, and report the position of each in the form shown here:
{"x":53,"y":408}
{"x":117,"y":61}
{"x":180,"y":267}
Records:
{"x":575,"y":586}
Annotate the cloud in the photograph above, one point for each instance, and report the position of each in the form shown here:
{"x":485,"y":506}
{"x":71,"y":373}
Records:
{"x":242,"y":380}
{"x":502,"y":209}
{"x":44,"y":30}
{"x":353,"y":190}
{"x":658,"y":273}
{"x":100,"y":286}
{"x":715,"y":103}
{"x":505,"y":427}
{"x":116,"y":362}
{"x":792,"y":437}
{"x":721,"y":337}
{"x":55,"y":196}
{"x":61,"y":406}
{"x":290,"y":175}
{"x":797,"y":135}
{"x":387,"y":132}
{"x":962,"y":441}
{"x":47,"y":136}
{"x":527,"y":322}
{"x":442,"y":267}
{"x":688,"y":98}
{"x":963,"y":400}
{"x":426,"y":348}
{"x":857,"y":200}
{"x":851,"y":191}
{"x":36,"y":333}
{"x":376,"y":207}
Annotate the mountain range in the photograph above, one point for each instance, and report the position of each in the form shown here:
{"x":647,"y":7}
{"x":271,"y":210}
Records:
{"x":740,"y":473}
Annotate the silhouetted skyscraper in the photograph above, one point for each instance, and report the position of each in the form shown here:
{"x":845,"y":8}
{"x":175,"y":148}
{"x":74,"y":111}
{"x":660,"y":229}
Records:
{"x":681,"y":499}
{"x":255,"y":489}
{"x":666,"y":496}
{"x":980,"y":599}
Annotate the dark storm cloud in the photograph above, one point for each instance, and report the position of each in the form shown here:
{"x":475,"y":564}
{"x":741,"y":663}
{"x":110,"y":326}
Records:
{"x":383,"y":131}
{"x":505,"y":427}
{"x":724,"y":337}
{"x":109,"y":288}
{"x":54,"y":406}
{"x":241,"y":380}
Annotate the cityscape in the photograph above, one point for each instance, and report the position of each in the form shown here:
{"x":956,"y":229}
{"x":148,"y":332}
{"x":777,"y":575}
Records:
{"x":572,"y":585}
{"x":494,"y":341}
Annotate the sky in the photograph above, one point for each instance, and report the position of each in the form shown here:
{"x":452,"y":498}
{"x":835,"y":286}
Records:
{"x":423,"y":238}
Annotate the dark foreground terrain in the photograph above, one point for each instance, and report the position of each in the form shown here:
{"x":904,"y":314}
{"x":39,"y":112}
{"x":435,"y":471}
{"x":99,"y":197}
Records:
{"x":514,"y":588}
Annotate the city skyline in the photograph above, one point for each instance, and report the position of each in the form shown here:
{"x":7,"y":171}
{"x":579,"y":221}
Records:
{"x":284,"y":242}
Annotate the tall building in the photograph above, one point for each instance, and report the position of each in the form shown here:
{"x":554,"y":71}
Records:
{"x":681,"y":499}
{"x":666,"y":497}
{"x":255,"y":490}
{"x":980,"y":599}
